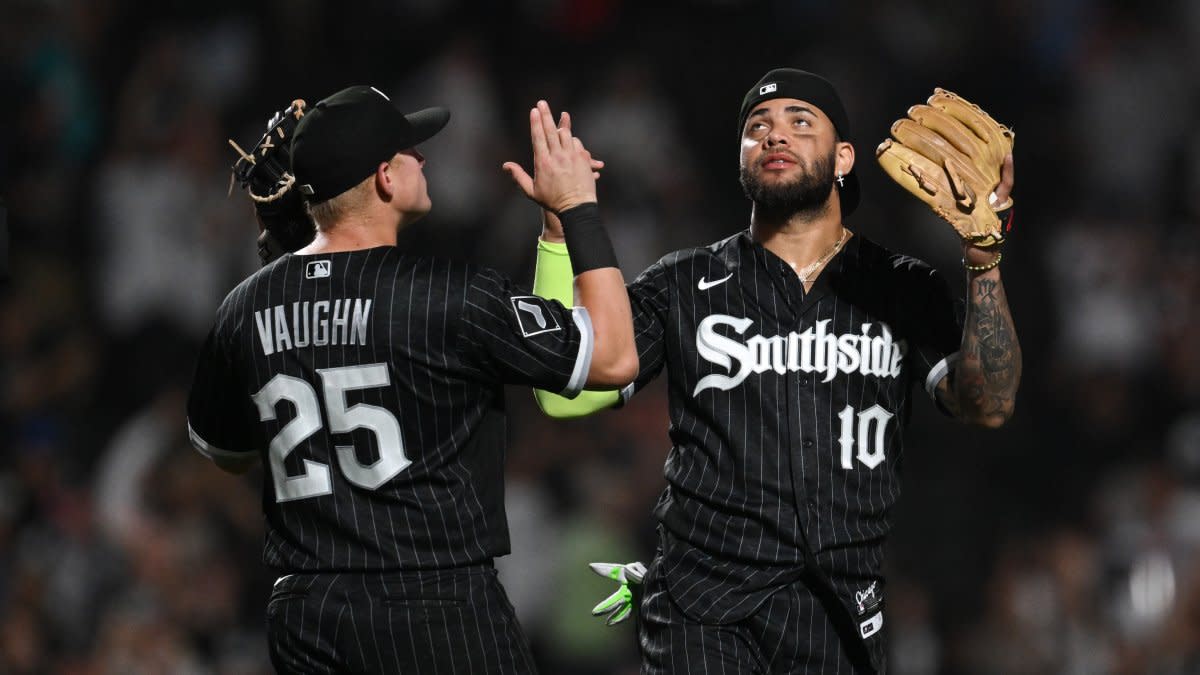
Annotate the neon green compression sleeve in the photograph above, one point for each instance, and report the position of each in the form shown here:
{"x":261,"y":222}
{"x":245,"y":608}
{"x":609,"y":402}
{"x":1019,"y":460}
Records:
{"x":553,"y":279}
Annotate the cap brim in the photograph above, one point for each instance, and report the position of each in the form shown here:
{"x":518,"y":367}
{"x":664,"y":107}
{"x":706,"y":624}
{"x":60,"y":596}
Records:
{"x":849,"y":194}
{"x":426,"y":123}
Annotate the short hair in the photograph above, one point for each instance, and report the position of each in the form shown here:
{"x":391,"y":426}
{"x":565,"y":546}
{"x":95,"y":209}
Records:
{"x":325,"y":214}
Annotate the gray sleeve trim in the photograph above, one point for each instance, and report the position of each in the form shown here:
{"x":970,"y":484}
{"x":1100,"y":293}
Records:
{"x":211,"y":451}
{"x":583,"y":362}
{"x":936,"y":373}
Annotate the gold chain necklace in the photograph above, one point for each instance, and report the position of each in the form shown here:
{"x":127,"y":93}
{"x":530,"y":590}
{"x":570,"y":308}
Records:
{"x":809,"y":269}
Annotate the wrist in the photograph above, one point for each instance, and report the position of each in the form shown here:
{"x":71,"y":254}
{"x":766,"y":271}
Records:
{"x":587,"y":240}
{"x":551,"y":227}
{"x":573,"y":203}
{"x":974,"y":266}
{"x":552,"y":247}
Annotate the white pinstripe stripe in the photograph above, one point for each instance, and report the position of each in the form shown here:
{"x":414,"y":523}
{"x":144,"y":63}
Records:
{"x":338,"y":631}
{"x":461,"y":473}
{"x":417,"y":419}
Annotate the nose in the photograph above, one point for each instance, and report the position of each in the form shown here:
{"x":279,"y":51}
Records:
{"x":776,"y":138}
{"x":420,"y":158}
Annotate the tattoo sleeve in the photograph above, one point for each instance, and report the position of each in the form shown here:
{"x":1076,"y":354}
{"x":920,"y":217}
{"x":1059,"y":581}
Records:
{"x":982,"y":387}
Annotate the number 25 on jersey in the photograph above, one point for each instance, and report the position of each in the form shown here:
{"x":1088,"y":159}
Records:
{"x":335,"y":382}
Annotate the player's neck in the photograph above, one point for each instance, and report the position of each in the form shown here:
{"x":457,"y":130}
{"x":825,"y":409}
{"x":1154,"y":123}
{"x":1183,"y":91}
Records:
{"x":352,"y":233}
{"x":801,"y":239}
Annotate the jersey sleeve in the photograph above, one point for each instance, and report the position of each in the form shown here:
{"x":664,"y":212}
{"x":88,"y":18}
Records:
{"x":933,"y":329}
{"x":650,"y":300}
{"x":510,"y":335}
{"x":554,"y":279}
{"x":220,"y":415}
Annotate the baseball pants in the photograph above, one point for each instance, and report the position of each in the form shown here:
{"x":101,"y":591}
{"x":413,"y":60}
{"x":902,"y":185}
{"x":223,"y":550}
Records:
{"x":789,"y":633}
{"x":422,"y":622}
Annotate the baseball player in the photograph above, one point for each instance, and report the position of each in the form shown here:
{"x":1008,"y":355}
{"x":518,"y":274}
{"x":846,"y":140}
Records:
{"x":369,"y":381}
{"x":791,"y":350}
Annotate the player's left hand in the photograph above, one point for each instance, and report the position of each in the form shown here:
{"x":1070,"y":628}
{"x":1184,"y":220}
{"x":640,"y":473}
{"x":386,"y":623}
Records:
{"x":264,"y":172}
{"x":618,"y":606}
{"x":975,"y":255}
{"x":957,"y":159}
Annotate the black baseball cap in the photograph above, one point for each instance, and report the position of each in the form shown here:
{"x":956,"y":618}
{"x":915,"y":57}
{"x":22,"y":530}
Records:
{"x":806,"y":86}
{"x":343,"y":138}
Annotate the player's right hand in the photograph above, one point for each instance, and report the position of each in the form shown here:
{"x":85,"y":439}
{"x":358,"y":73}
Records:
{"x":551,"y":226}
{"x":618,"y":606}
{"x":563,"y":173}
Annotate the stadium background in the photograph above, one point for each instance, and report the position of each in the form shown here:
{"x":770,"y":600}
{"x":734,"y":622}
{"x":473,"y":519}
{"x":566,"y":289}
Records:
{"x":1064,"y":543}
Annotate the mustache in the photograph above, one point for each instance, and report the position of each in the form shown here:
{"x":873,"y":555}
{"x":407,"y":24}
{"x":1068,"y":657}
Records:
{"x":789,"y":154}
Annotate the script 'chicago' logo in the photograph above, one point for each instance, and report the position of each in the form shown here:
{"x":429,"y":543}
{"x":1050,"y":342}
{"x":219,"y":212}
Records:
{"x":816,"y":350}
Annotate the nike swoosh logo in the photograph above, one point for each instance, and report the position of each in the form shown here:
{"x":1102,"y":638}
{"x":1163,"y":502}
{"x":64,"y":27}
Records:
{"x":705,"y":285}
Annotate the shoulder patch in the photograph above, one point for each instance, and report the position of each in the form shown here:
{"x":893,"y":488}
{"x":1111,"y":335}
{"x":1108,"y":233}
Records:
{"x":534,"y":315}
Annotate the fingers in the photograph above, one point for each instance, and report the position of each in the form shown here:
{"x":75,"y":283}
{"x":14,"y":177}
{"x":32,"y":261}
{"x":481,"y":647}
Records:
{"x":954,"y":131}
{"x":1007,"y":179}
{"x":522,"y":179}
{"x":933,"y":146}
{"x":619,"y":615}
{"x":549,"y":131}
{"x":536,"y":134}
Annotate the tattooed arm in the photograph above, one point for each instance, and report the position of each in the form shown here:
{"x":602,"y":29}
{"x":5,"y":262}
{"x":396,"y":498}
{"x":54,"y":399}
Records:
{"x":982,"y":386}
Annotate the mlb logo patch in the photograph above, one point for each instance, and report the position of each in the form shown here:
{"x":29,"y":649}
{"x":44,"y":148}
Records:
{"x":534,"y":315}
{"x":767,"y":88}
{"x":318,"y":269}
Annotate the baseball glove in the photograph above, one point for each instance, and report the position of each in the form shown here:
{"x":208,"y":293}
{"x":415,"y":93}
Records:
{"x":283,"y":223}
{"x":949,"y":154}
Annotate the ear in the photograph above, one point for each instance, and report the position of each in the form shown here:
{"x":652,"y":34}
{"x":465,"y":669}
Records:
{"x":385,"y":181}
{"x":843,"y":161}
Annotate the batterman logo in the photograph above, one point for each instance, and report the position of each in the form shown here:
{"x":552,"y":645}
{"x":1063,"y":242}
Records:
{"x":767,"y":88}
{"x":318,"y":269}
{"x":872,"y":352}
{"x":534,"y":315}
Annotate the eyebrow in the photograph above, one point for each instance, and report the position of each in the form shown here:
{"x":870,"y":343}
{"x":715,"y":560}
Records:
{"x":789,"y":109}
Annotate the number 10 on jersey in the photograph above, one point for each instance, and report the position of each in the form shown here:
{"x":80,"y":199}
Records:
{"x":857,"y":431}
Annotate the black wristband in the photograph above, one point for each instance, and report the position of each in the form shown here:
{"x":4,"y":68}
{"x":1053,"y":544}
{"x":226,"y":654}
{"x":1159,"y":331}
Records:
{"x":588,"y":244}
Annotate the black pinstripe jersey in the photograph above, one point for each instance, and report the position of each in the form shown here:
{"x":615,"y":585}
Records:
{"x":371,"y":382}
{"x":786,"y":409}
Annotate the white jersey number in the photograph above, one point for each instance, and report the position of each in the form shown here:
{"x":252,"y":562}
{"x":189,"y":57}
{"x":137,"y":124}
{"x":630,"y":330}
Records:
{"x":867,"y":430}
{"x":315,"y":480}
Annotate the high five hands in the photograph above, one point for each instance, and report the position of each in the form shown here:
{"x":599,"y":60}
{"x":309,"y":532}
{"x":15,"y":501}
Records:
{"x":564,"y":172}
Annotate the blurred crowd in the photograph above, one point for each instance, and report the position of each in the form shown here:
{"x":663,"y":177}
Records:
{"x":1068,"y":542}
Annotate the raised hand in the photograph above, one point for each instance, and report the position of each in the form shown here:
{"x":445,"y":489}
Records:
{"x":564,"y":175}
{"x":551,"y":225}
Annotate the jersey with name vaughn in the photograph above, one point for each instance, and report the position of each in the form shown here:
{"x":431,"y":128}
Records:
{"x":786,"y":409}
{"x":372,"y":383}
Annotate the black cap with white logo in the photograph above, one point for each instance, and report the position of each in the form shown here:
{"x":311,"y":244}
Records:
{"x":805,"y":86}
{"x":343,"y":138}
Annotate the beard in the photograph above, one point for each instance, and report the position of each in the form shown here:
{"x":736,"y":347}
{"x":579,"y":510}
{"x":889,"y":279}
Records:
{"x":808,"y":194}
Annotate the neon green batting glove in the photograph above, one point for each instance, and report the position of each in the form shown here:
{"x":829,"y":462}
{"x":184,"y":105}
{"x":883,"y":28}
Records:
{"x":618,"y":606}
